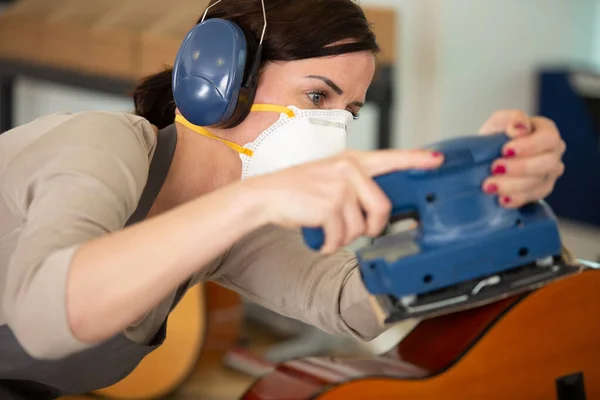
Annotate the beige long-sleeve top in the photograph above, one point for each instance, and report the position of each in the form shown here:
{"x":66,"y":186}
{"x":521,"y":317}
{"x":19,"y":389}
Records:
{"x":67,"y":178}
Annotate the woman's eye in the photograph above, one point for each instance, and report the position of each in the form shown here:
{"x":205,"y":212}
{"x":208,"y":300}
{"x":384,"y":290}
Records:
{"x":316,"y":97}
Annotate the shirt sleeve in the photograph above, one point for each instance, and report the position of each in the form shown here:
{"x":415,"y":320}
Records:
{"x":80,"y":180}
{"x":275,"y":269}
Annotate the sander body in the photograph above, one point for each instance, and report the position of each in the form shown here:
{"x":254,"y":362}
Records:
{"x":466,"y":249}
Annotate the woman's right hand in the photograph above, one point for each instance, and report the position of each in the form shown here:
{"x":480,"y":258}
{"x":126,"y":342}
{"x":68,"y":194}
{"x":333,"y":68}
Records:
{"x":337,"y":194}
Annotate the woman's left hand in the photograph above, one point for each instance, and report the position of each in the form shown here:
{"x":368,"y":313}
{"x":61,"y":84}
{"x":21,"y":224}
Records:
{"x":531,"y":162}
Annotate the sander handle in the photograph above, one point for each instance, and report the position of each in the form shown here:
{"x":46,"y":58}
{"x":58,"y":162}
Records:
{"x":399,"y":189}
{"x":407,"y":190}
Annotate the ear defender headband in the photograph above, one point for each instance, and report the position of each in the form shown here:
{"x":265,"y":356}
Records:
{"x":214,"y":79}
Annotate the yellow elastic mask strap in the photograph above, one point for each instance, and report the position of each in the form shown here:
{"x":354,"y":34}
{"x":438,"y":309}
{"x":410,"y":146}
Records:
{"x":204,"y":132}
{"x":256,"y":107}
{"x":273,"y":107}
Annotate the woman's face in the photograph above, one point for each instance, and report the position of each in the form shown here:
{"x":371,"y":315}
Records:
{"x":336,"y":82}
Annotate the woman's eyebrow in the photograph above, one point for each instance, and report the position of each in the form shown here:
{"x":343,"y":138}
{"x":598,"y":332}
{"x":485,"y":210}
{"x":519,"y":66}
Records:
{"x":357,"y":104}
{"x":335,"y":88}
{"x":329,"y":83}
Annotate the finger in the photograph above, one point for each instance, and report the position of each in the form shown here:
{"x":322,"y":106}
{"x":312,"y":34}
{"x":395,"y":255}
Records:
{"x":541,"y":165}
{"x":376,"y":205}
{"x":519,"y":199}
{"x":384,"y":161}
{"x":354,"y":220}
{"x":370,"y":196}
{"x":545,"y":138}
{"x":508,"y":186}
{"x":513,"y":122}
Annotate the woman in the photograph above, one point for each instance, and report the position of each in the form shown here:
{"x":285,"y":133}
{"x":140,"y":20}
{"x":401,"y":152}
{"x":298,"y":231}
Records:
{"x":84,"y":299}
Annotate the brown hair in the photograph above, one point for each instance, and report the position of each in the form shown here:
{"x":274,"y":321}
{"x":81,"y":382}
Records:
{"x":297,"y":29}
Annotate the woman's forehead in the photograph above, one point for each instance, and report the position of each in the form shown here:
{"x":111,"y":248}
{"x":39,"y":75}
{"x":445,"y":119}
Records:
{"x":345,"y":66}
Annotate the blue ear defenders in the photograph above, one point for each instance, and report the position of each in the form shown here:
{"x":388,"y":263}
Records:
{"x":215,"y":73}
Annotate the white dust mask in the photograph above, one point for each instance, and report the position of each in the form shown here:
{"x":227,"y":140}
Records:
{"x":297,"y":137}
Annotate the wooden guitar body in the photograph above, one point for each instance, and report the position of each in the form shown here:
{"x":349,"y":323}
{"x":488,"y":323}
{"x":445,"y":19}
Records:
{"x":202,"y":327}
{"x":541,"y":345}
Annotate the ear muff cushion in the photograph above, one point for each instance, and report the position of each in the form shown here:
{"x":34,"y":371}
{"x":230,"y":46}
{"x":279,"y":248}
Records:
{"x":252,"y":48}
{"x":249,"y":86}
{"x":208,"y":72}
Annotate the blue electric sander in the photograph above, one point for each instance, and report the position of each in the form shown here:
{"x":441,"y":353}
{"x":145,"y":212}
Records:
{"x":466,"y":249}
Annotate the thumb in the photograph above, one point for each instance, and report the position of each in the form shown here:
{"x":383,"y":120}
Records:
{"x":513,"y":122}
{"x":384,"y":161}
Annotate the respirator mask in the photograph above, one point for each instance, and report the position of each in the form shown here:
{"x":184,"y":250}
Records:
{"x":298,"y":136}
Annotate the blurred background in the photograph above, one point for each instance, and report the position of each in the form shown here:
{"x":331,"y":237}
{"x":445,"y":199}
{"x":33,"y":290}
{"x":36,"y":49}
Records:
{"x":446,"y":66}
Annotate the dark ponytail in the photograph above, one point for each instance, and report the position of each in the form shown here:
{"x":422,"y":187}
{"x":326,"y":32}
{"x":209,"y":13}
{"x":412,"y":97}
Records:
{"x":297,"y":29}
{"x":153,"y":99}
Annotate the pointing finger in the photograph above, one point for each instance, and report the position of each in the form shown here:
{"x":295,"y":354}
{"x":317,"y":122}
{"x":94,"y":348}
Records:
{"x":384,"y":161}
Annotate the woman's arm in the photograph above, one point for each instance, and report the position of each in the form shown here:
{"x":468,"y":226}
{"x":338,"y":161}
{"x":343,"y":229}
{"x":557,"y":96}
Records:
{"x":274,"y":268}
{"x":72,"y":282}
{"x":75,"y":277}
{"x":114,"y":280}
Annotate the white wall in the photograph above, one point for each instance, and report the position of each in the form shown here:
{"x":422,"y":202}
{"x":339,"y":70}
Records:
{"x":491,"y":52}
{"x":586,"y":32}
{"x":463,"y":59}
{"x":35,"y":98}
{"x":419,"y":23}
{"x":596,"y":33}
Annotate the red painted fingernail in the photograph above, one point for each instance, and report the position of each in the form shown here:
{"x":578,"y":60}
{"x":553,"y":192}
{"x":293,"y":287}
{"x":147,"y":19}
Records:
{"x":437,"y":154}
{"x":510,"y":153}
{"x":506,"y":200}
{"x":491,"y":188}
{"x":499,"y":170}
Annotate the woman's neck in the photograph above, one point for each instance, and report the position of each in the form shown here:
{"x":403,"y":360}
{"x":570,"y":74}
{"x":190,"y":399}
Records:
{"x":200,"y":165}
